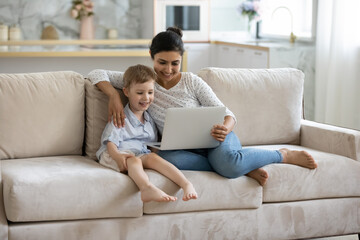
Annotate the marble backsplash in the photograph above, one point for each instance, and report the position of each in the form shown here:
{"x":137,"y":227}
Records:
{"x":32,"y":16}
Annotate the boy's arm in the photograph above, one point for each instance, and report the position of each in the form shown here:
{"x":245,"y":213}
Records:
{"x":120,"y":158}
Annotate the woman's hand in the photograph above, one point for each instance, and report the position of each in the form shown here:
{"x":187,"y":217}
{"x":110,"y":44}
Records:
{"x":219,"y":132}
{"x":116,"y":110}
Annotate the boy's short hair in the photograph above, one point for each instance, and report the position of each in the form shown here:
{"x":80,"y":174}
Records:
{"x":138,"y":74}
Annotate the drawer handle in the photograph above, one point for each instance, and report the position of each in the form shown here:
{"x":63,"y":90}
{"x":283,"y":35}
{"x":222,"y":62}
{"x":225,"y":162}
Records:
{"x":258,"y":53}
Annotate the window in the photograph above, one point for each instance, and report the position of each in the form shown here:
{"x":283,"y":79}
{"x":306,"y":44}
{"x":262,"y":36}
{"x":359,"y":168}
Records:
{"x":281,"y":17}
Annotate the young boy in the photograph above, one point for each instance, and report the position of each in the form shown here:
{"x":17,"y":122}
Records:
{"x":124,"y":150}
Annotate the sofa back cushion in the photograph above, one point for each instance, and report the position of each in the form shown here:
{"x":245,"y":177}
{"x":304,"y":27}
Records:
{"x":41,"y":114}
{"x":96,"y":117}
{"x":266,"y":102}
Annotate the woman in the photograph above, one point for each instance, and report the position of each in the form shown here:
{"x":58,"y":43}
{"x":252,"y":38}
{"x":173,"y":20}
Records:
{"x":183,"y":89}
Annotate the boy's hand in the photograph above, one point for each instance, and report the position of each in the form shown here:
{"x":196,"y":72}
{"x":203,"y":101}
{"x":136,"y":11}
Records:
{"x":121,"y":161}
{"x":119,"y":157}
{"x":116,"y":110}
{"x":219,"y":132}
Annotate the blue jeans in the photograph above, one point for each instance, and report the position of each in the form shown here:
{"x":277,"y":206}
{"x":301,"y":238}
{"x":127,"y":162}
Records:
{"x":229,"y":159}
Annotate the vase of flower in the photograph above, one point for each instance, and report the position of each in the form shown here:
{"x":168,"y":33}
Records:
{"x":252,"y":11}
{"x":82,"y":10}
{"x":257,"y":30}
{"x":87,"y":28}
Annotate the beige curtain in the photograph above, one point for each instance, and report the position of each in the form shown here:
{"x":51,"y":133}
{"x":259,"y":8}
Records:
{"x":337,"y":94}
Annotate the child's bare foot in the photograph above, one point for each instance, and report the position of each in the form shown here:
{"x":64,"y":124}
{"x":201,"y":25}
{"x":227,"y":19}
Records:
{"x":152,"y":193}
{"x":300,"y":158}
{"x":189,"y":192}
{"x":260,"y":175}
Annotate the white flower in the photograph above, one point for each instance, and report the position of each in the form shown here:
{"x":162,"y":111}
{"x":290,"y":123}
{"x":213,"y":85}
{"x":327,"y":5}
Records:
{"x":81,"y":9}
{"x":74,"y":13}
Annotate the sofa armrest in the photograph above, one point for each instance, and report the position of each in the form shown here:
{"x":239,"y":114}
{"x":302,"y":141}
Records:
{"x":4,"y":230}
{"x":331,"y":139}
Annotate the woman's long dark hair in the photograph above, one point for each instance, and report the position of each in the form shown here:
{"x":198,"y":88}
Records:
{"x":169,"y":40}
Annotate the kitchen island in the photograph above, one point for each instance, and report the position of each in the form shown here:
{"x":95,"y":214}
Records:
{"x":76,"y":55}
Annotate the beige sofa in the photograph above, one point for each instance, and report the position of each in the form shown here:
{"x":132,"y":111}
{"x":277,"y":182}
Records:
{"x":52,"y":187}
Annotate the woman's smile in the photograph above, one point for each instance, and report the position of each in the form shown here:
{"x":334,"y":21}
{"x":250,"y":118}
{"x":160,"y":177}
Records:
{"x":167,"y":65}
{"x":166,"y":75}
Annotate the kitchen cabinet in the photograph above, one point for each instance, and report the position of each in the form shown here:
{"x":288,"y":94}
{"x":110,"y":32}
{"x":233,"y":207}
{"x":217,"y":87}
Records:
{"x":228,"y":56}
{"x":201,"y":55}
{"x":198,"y":56}
{"x":257,"y":58}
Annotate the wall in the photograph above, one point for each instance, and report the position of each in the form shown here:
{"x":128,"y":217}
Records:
{"x":34,"y":15}
{"x":225,"y":16}
{"x":132,"y":18}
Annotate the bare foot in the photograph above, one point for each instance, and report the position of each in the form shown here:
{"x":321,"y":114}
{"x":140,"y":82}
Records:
{"x":189,"y":192}
{"x":260,"y":175}
{"x":300,"y":158}
{"x":152,"y":193}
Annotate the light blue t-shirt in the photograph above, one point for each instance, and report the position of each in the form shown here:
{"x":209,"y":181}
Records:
{"x":131,"y":137}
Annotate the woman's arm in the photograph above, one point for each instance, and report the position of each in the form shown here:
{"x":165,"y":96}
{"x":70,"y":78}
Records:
{"x":219,"y":132}
{"x":206,"y":95}
{"x":208,"y":98}
{"x":106,"y":81}
{"x":115,"y":108}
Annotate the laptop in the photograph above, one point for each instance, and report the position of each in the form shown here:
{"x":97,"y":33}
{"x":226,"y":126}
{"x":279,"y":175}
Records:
{"x":189,"y":128}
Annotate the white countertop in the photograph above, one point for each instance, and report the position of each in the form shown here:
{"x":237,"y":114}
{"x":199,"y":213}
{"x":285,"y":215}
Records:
{"x":264,"y":43}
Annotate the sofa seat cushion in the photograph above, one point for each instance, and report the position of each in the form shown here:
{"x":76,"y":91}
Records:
{"x":214,"y":193}
{"x":66,"y":188}
{"x":335,"y":177}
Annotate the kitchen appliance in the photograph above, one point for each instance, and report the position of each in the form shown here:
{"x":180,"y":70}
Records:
{"x":192,"y":16}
